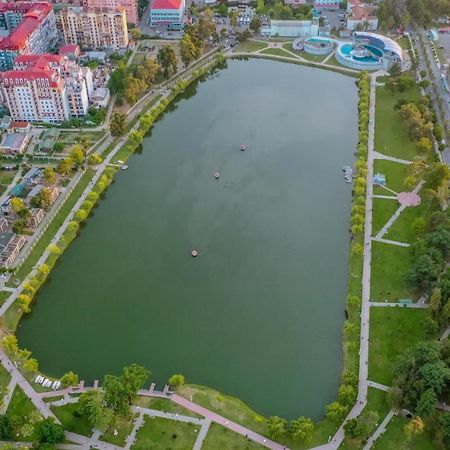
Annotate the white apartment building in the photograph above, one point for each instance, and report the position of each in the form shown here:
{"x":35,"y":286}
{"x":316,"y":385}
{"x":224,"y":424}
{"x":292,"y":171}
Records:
{"x":93,"y":28}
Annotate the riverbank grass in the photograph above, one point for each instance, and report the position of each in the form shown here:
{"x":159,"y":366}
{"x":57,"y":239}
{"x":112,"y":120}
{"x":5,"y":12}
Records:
{"x":164,"y":434}
{"x":249,"y":47}
{"x":277,"y":52}
{"x":392,"y":331}
{"x":219,"y":437}
{"x":165,"y":405}
{"x":391,"y":137}
{"x":390,"y":264}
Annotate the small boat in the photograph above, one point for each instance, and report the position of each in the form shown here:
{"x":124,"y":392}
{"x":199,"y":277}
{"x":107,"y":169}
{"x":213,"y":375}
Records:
{"x":124,"y":167}
{"x":194,"y":253}
{"x":217,"y":175}
{"x":243,"y":148}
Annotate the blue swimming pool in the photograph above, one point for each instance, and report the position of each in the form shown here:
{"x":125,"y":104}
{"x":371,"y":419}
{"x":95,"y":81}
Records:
{"x":347,"y":49}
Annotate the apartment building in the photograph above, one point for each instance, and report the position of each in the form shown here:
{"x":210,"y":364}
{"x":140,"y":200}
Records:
{"x":93,"y":28}
{"x":46,"y":88}
{"x":129,"y":5}
{"x":25,"y":27}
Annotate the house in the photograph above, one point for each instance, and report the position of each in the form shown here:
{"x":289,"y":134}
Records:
{"x":19,"y":127}
{"x":37,"y":215}
{"x":168,"y":14}
{"x":100,"y":97}
{"x":54,"y":193}
{"x":32,"y":176}
{"x":361,"y":16}
{"x":14,"y":144}
{"x":72,"y":51}
{"x":327,"y":5}
{"x":10,"y":246}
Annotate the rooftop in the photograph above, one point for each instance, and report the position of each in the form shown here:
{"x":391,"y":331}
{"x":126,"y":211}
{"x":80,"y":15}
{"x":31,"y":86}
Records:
{"x":166,"y":4}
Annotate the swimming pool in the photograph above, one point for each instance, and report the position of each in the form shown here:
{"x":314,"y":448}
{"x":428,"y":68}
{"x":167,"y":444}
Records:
{"x":347,"y":49}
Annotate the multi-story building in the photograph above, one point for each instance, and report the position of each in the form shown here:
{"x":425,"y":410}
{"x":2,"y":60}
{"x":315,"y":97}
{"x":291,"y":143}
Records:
{"x":129,"y":5}
{"x":328,"y":5}
{"x":167,"y":14}
{"x":95,"y":27}
{"x":46,"y":88}
{"x":361,"y":16}
{"x":25,"y":27}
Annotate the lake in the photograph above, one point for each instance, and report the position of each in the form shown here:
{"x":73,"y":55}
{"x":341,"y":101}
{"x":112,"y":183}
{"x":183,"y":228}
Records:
{"x":259,"y":313}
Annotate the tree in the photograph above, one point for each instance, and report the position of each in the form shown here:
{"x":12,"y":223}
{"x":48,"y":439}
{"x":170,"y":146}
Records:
{"x":94,"y":159}
{"x":427,"y":403}
{"x":69,"y":379}
{"x":49,"y":431}
{"x":77,"y":154}
{"x":424,"y":84}
{"x":118,"y":124}
{"x":424,"y":145}
{"x":81,"y":215}
{"x":423,"y":273}
{"x":222,"y":10}
{"x":10,"y":343}
{"x":285,"y":13}
{"x":5,"y":427}
{"x":65,"y":166}
{"x":413,"y":428}
{"x":136,"y":33}
{"x":53,"y":249}
{"x":346,"y":395}
{"x":58,"y":147}
{"x":17,"y":205}
{"x":92,"y":405}
{"x":31,"y":365}
{"x":167,"y":60}
{"x":419,"y":226}
{"x":132,"y":88}
{"x":116,"y":396}
{"x":43,"y":199}
{"x":275,"y":427}
{"x":255,"y":24}
{"x":49,"y":175}
{"x":187,"y":50}
{"x":336,"y":412}
{"x":351,"y":428}
{"x":395,"y":70}
{"x":24,"y":301}
{"x":176,"y":380}
{"x":133,"y":378}
{"x":233,"y":14}
{"x":302,"y":429}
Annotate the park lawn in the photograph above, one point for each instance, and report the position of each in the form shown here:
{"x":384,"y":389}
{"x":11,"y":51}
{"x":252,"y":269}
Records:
{"x":21,"y":407}
{"x":53,"y":399}
{"x":334,"y":62}
{"x":165,"y":434}
{"x":230,"y":407}
{"x":393,"y":438}
{"x":219,"y":437}
{"x":402,"y":229}
{"x":395,"y":176}
{"x":392,"y":331}
{"x":123,"y":425}
{"x":6,"y":176}
{"x":249,"y":46}
{"x":276,"y":52}
{"x":71,"y":137}
{"x":4,"y":295}
{"x":391,"y":137}
{"x":390,"y":265}
{"x":68,"y":416}
{"x":162,"y":404}
{"x":404,"y":43}
{"x":48,"y":235}
{"x":382,"y":211}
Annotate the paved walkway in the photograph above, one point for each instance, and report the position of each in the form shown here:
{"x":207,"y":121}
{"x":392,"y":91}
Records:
{"x":209,"y":415}
{"x":131,"y":438}
{"x":381,"y":387}
{"x":390,"y":241}
{"x":386,"y":197}
{"x":378,"y":155}
{"x":201,"y":435}
{"x":400,"y":305}
{"x":380,"y":430}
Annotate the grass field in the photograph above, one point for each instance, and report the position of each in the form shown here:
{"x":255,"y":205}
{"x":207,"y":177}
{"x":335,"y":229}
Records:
{"x":70,"y":419}
{"x":276,"y":52}
{"x":304,"y":55}
{"x":392,"y":330}
{"x":382,"y":211}
{"x":390,"y":264}
{"x":164,"y":434}
{"x":5,"y":377}
{"x":249,"y":46}
{"x":393,"y":438}
{"x":402,"y":229}
{"x":19,"y":410}
{"x":219,"y":437}
{"x":395,"y":175}
{"x":391,"y":137}
{"x":4,"y":295}
{"x":123,"y":426}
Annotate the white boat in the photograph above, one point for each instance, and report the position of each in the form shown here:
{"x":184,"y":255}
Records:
{"x":44,"y":381}
{"x":58,"y":384}
{"x":36,"y":380}
{"x":54,"y":384}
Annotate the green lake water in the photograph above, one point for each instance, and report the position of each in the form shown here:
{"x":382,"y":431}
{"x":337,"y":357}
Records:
{"x":259,"y":313}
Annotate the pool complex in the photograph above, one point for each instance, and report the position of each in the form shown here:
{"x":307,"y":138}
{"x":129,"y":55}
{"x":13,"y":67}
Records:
{"x":347,"y":49}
